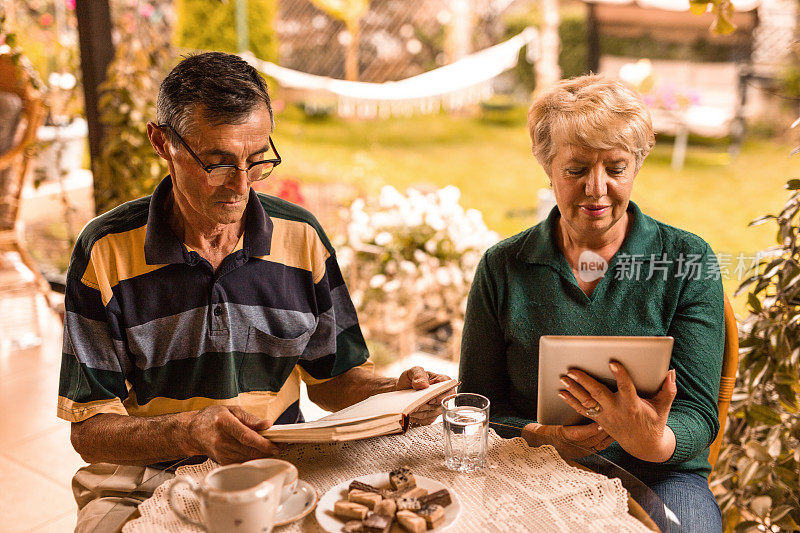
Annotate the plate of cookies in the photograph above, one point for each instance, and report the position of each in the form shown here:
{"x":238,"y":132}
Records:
{"x":388,"y":502}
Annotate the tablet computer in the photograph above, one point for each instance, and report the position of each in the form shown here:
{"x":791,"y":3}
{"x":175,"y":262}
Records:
{"x":645,"y":358}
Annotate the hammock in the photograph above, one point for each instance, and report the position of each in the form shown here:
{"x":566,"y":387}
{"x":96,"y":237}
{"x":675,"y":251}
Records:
{"x":454,"y":86}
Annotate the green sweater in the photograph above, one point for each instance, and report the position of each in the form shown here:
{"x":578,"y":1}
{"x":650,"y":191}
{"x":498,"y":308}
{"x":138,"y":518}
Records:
{"x":524,"y":288}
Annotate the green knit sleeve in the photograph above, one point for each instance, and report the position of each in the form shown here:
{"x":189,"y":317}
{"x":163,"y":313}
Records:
{"x":483,"y":349}
{"x":698,"y":329}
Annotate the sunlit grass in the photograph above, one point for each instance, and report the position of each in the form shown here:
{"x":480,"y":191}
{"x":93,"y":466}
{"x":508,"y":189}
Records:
{"x":714,"y":195}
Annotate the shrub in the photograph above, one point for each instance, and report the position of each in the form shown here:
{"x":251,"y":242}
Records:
{"x":409,"y":260}
{"x":129,"y":167}
{"x":759,"y":467}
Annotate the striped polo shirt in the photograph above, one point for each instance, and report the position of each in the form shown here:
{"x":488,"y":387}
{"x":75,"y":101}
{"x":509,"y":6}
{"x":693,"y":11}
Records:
{"x":152,"y":329}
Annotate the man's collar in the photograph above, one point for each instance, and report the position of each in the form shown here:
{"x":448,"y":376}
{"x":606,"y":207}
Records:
{"x":541,"y":245}
{"x":162,"y":247}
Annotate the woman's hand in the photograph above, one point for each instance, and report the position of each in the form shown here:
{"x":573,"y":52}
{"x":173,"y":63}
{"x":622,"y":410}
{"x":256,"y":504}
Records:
{"x":638,"y":424}
{"x":571,"y":442}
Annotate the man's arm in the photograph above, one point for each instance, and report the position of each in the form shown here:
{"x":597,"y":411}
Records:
{"x":359,"y":384}
{"x":225,"y":434}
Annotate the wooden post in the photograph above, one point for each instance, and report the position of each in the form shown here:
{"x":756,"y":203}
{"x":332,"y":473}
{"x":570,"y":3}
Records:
{"x":593,"y":39}
{"x":547,"y":70}
{"x":351,"y":58}
{"x":458,"y":41}
{"x":242,"y":27}
{"x":97,"y":51}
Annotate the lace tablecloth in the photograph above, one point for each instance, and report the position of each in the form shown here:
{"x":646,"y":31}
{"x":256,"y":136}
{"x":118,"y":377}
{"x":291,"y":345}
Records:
{"x":522,"y":488}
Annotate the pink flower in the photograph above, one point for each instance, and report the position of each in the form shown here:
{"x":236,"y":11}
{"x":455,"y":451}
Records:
{"x":46,"y":20}
{"x":71,"y":4}
{"x":147,"y":10}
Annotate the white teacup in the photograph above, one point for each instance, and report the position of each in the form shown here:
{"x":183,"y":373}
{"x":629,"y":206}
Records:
{"x":238,"y":497}
{"x":277,"y":466}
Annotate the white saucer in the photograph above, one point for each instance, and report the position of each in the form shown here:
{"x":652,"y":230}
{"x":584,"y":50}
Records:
{"x":333,"y":524}
{"x":301,"y":502}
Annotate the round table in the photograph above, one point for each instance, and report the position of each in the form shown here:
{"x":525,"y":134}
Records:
{"x":643,"y":503}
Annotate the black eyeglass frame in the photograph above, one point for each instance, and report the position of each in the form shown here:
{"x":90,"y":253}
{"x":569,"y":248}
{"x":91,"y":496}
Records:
{"x":209,"y":168}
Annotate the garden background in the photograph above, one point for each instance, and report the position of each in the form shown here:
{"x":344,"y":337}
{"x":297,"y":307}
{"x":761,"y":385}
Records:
{"x":472,"y":176}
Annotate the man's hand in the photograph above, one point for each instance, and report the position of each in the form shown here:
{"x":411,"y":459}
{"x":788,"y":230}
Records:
{"x":227,"y":434}
{"x":418,"y":378}
{"x":571,"y":442}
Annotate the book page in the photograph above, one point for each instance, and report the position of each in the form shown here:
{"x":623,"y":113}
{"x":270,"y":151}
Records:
{"x":322,"y":424}
{"x":379,"y":411}
{"x":396,"y":402}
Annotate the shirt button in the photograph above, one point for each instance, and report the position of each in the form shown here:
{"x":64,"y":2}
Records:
{"x":217,"y":310}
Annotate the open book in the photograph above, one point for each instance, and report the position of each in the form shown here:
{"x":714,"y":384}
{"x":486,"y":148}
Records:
{"x":381,"y":414}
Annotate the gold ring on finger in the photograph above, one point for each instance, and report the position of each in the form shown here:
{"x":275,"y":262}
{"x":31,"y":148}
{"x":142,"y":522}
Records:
{"x":594,"y":410}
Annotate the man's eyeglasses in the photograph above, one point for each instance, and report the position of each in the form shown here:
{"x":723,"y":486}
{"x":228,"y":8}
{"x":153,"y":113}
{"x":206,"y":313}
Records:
{"x":218,"y":174}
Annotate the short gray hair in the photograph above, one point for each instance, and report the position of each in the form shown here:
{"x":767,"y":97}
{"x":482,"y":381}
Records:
{"x":224,"y":88}
{"x":593,"y":111}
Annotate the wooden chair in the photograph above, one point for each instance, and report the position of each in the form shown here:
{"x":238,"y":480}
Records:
{"x":16,"y":79}
{"x":730,"y":363}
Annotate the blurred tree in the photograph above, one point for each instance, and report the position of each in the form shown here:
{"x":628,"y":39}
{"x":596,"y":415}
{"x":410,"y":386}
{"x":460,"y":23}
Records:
{"x":350,"y":12}
{"x":211,"y":25}
{"x":128,"y":167}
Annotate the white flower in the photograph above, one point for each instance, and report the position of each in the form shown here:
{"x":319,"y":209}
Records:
{"x":383,"y":238}
{"x":435,"y":221}
{"x":408,"y":267}
{"x":390,"y":197}
{"x":62,"y":80}
{"x":430,"y":246}
{"x":449,"y":195}
{"x":377,"y":281}
{"x":392,"y":286}
{"x":443,"y":276}
{"x":345,"y":256}
{"x":357,"y":205}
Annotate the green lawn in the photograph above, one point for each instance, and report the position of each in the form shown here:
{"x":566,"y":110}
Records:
{"x":491,"y":163}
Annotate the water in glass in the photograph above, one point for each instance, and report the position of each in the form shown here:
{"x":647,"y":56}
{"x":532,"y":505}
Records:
{"x":466,"y":438}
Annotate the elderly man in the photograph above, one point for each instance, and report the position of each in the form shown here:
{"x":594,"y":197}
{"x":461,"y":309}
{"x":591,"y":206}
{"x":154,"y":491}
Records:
{"x":193,"y":314}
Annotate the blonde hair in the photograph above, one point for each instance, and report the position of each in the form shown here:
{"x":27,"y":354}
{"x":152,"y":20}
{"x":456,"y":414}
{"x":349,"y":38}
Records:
{"x":592,"y":111}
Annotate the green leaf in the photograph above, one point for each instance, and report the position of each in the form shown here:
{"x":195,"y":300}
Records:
{"x":760,"y":220}
{"x":746,"y":526}
{"x":754,"y":302}
{"x":793,"y":184}
{"x":787,"y":476}
{"x":761,"y":505}
{"x":723,"y":25}
{"x":786,"y":378}
{"x":762,"y":413}
{"x":744,"y":285}
{"x":757,"y":451}
{"x":774,"y":448}
{"x":698,"y":8}
{"x":749,"y":342}
{"x":786,"y":523}
{"x":788,"y":396}
{"x":773,"y":268}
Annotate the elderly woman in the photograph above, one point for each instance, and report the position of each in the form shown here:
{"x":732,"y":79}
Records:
{"x":591,"y":135}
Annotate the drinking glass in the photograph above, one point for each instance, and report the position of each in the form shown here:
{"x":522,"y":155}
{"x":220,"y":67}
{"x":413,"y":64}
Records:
{"x":466,"y":431}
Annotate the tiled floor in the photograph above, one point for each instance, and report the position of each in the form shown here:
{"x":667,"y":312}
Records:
{"x":36,"y":458}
